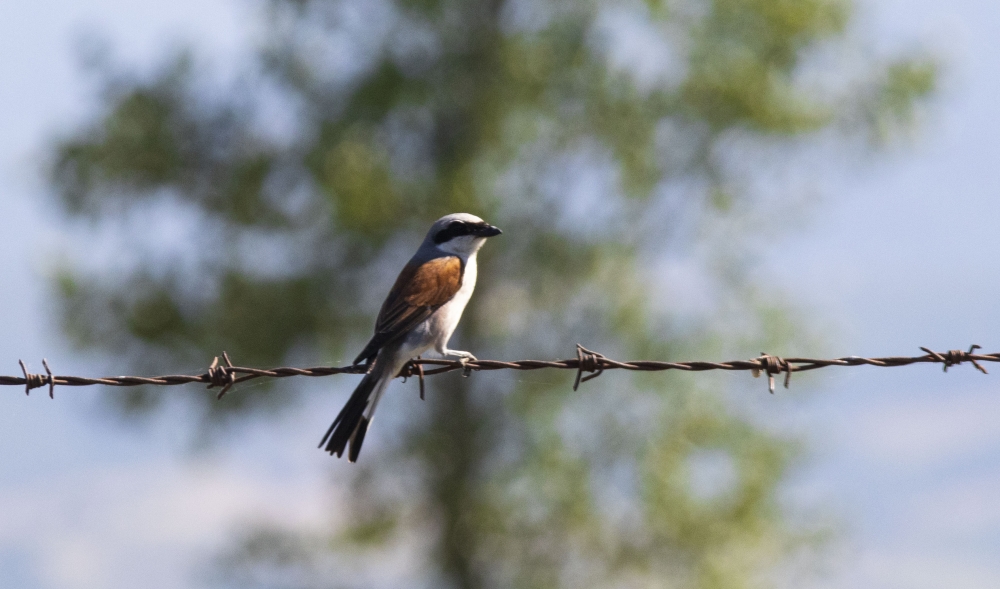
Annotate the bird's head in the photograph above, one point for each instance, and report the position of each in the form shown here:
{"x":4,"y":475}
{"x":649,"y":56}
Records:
{"x":460,"y":233}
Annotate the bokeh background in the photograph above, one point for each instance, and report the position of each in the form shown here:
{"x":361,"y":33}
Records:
{"x":687,"y":180}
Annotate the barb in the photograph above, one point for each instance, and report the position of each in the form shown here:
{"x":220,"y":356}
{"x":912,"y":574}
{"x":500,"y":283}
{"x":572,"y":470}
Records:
{"x":588,"y":361}
{"x":226,"y":376}
{"x":411,"y":369}
{"x":221,"y":376}
{"x":774,"y":365}
{"x":34,"y":381}
{"x":954,"y":357}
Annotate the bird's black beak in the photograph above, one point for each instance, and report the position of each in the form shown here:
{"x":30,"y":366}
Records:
{"x":486,"y":230}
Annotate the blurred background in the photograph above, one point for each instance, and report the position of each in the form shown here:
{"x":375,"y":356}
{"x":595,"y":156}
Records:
{"x":676,"y":179}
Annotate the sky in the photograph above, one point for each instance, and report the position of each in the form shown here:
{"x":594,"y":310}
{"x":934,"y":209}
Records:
{"x":895,"y":256}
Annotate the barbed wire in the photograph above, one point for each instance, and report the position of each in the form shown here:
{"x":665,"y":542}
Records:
{"x":224,"y":374}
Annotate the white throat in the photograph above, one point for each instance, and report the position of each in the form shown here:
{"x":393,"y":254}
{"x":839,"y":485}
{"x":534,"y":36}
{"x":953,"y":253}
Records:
{"x":463,"y":247}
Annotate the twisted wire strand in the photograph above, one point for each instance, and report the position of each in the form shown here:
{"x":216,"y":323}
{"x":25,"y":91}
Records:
{"x":225,"y":375}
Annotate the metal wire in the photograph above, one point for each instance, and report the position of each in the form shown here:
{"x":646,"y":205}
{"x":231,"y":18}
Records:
{"x":224,"y":376}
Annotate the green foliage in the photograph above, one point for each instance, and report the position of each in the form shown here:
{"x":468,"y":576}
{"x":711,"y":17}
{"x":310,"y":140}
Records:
{"x":894,"y":104}
{"x":745,"y":54}
{"x":514,"y":111}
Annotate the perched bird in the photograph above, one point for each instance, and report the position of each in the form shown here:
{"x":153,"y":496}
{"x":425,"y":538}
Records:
{"x":420,"y":313}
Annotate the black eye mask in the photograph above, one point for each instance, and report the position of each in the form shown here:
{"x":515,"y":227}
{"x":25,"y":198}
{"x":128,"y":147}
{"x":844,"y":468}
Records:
{"x":453,"y":230}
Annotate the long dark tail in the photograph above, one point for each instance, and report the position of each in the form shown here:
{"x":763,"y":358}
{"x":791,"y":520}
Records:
{"x":351,"y":424}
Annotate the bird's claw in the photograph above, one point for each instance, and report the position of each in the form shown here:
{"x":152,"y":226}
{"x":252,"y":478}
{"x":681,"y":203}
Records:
{"x":464,"y":360}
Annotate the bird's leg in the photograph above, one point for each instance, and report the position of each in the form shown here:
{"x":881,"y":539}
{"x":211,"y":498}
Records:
{"x":462,"y":356}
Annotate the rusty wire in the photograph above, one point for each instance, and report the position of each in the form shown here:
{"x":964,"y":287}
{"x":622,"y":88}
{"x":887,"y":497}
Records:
{"x":225,"y":375}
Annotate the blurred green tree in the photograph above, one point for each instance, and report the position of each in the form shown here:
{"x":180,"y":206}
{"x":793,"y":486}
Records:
{"x":602,"y":137}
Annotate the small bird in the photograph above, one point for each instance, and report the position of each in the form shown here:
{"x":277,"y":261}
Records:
{"x":421,"y":312}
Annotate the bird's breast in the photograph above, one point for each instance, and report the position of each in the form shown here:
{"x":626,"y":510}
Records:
{"x":437,"y":329}
{"x":451,"y":312}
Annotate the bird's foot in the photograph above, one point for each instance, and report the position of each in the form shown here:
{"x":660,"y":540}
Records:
{"x":464,"y":358}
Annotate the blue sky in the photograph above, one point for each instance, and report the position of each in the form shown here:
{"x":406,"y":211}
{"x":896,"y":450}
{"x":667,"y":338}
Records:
{"x":897,"y":255}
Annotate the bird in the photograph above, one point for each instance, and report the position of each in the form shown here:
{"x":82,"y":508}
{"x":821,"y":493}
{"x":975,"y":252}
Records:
{"x":420,"y":313}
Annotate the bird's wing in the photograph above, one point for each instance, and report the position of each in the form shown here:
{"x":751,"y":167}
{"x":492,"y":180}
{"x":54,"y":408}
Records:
{"x":420,"y":289}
